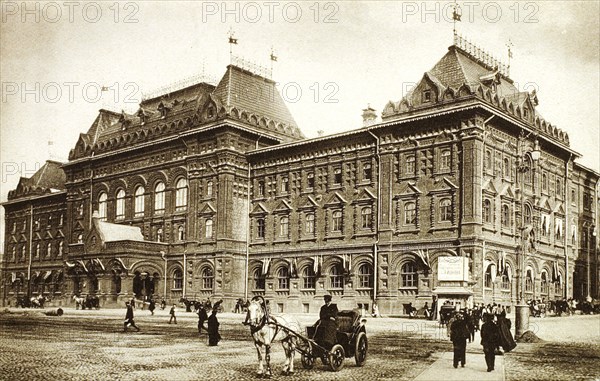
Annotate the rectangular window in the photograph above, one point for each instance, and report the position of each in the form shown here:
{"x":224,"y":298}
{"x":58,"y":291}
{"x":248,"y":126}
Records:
{"x":337,"y":176}
{"x":285,"y":184}
{"x":410,"y":165}
{"x":310,"y":180}
{"x":367,"y":172}
{"x":260,"y":188}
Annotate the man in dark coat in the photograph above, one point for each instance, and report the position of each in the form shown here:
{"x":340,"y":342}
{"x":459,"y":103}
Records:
{"x":490,"y":337}
{"x":459,"y":334}
{"x":325,"y":334}
{"x":129,"y":318}
{"x":213,"y":329}
{"x":202,"y":317}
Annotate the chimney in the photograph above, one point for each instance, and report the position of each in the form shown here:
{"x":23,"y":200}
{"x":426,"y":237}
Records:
{"x":369,"y":116}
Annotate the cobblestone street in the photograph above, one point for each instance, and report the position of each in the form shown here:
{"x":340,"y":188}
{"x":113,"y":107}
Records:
{"x":90,"y":345}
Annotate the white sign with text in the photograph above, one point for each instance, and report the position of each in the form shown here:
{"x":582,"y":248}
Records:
{"x":453,"y":268}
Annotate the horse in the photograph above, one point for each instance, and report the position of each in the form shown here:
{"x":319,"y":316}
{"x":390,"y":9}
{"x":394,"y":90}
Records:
{"x":266,"y":329}
{"x":38,"y":301}
{"x":79,"y":302}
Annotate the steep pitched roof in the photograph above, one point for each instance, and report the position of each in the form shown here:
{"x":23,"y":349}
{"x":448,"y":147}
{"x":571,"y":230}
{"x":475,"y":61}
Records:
{"x":252,"y":93}
{"x":50,"y":178}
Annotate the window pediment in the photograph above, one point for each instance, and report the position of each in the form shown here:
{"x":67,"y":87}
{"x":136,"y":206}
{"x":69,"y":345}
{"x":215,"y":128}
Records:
{"x":365,"y":197}
{"x":335,"y":200}
{"x":259,"y":210}
{"x":283,"y":207}
{"x":408,"y":190}
{"x":489,"y":188}
{"x":443,"y":186}
{"x":308,"y":203}
{"x":207,"y":209}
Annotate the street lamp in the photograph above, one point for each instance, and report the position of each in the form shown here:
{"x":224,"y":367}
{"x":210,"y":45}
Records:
{"x":524,"y":165}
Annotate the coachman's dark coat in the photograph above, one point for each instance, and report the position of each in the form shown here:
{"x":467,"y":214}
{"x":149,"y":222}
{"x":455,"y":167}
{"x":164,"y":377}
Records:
{"x":325,"y":335}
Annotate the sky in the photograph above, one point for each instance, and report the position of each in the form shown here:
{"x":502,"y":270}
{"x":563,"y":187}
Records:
{"x":333,"y":59}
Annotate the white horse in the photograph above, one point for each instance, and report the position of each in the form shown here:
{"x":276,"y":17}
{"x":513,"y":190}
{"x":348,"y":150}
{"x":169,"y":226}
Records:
{"x":79,"y":302}
{"x":267,"y":329}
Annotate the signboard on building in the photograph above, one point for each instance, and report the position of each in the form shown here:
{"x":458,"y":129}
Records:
{"x":453,"y":269}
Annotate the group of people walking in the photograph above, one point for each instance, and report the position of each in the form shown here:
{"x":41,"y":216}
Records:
{"x":495,"y":333}
{"x":212,"y":321}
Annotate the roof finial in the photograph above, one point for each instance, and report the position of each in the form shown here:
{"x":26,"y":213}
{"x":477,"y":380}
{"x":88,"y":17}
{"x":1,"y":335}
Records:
{"x":510,"y":54}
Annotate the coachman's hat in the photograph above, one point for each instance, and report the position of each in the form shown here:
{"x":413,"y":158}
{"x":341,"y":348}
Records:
{"x":327,"y":298}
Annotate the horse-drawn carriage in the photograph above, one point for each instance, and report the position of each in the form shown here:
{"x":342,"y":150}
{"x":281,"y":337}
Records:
{"x":351,"y":341}
{"x":538,"y":310}
{"x":446,"y":312}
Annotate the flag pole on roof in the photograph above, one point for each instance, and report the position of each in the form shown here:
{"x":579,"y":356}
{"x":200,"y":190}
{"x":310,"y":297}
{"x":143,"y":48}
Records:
{"x":456,"y":13}
{"x":232,"y":41}
{"x":273,"y":59}
{"x":510,"y":55}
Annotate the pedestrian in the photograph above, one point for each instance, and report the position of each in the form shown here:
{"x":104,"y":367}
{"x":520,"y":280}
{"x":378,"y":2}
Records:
{"x":375,"y":310}
{"x":152,"y":306}
{"x":172,"y":313}
{"x":459,"y":334}
{"x":163,"y":304}
{"x":213,"y":329}
{"x":202,"y":317}
{"x":129,"y":318}
{"x":470,"y":325}
{"x":490,"y":339}
{"x":133,"y":302}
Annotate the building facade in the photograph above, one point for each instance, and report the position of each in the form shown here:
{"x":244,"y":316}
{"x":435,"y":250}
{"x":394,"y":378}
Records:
{"x":213,"y":191}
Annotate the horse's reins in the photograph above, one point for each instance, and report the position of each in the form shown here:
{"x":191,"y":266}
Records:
{"x":265,"y":321}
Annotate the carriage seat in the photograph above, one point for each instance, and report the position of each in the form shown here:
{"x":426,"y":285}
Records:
{"x":347,"y":320}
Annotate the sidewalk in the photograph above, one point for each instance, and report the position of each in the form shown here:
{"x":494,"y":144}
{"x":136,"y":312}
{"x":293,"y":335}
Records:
{"x":475,"y":369}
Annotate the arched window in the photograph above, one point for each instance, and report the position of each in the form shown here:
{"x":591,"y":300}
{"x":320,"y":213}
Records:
{"x":259,"y":279}
{"x":336,"y":277}
{"x":120,"y":213}
{"x":445,"y":210}
{"x":159,"y":198}
{"x":49,"y":249}
{"x":102,"y":200}
{"x":487,"y":211}
{"x":445,"y":160}
{"x":181,"y":194}
{"x":410,"y":213}
{"x":208,"y":228}
{"x":37,"y":250}
{"x":260,"y":228}
{"x":544,"y":182}
{"x":209,"y":189}
{"x":139,"y":201}
{"x":310,"y":224}
{"x":507,"y":168}
{"x":284,"y":226}
{"x":365,"y":217}
{"x":60,"y":248}
{"x":178,"y":279}
{"x":283,"y":278}
{"x":558,"y":187}
{"x":544,"y":283}
{"x":336,"y":221}
{"x":180,"y":233}
{"x":207,"y":278}
{"x":527,"y":215}
{"x":529,"y":281}
{"x":488,"y":160}
{"x":489,"y":277}
{"x":365,"y":276}
{"x":408,"y":274}
{"x":505,"y":216}
{"x":558,"y":286}
{"x":505,"y":281}
{"x":159,"y":235}
{"x":309,"y":278}
{"x":528,"y":178}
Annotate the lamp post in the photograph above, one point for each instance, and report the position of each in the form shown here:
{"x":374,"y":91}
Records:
{"x":525,"y":164}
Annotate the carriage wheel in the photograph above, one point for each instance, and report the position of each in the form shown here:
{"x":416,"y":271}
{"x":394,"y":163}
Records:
{"x":308,"y":361}
{"x":336,"y":357}
{"x":360,"y":351}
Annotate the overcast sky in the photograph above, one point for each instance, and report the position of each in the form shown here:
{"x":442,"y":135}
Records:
{"x":334,"y":58}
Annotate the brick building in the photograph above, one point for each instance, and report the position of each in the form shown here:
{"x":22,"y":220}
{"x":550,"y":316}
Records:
{"x":213,"y":191}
